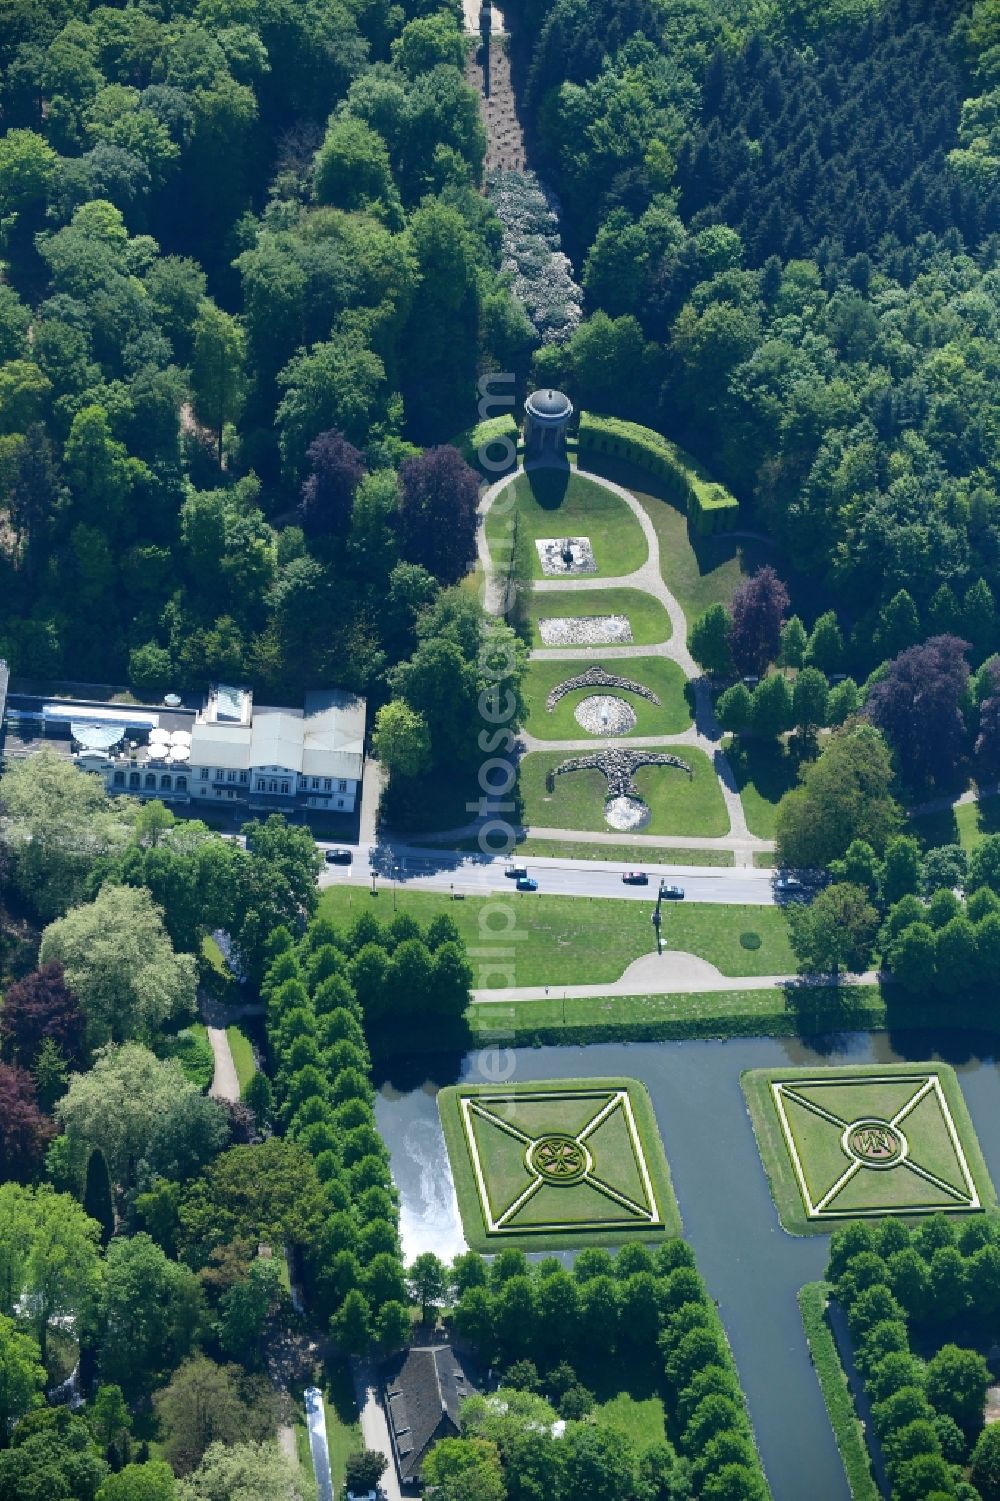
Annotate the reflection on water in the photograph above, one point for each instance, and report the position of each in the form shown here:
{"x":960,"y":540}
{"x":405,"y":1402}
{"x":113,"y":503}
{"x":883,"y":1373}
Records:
{"x":752,"y":1268}
{"x":429,"y":1218}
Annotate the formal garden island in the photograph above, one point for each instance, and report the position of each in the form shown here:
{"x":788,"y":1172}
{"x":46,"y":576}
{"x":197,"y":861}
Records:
{"x":558,"y":1165}
{"x":862,"y":1143}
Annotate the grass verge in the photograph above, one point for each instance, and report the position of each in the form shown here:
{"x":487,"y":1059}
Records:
{"x":664,"y":678}
{"x":343,"y":1431}
{"x":307,"y":1475}
{"x":239,"y":1046}
{"x":677,"y":804}
{"x":628,"y":854}
{"x":568,"y":940}
{"x":560,"y":503}
{"x":773,"y":1012}
{"x":844,"y":1421}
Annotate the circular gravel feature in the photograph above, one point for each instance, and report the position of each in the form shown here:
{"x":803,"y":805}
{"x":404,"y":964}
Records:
{"x":604,"y":714}
{"x":626,"y":813}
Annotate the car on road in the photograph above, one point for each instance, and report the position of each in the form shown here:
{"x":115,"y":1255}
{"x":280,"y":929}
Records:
{"x":338,"y":857}
{"x":789,"y":885}
{"x":526,"y":883}
{"x":671,"y":893}
{"x":635,"y":878}
{"x":515,"y":872}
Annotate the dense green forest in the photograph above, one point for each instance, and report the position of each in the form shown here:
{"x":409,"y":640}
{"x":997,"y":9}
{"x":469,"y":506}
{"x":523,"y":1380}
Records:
{"x":788,"y":241}
{"x":229,"y":230}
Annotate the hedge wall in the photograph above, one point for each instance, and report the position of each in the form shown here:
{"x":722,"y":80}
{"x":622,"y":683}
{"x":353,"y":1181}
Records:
{"x":710,"y":507}
{"x":495,"y":430}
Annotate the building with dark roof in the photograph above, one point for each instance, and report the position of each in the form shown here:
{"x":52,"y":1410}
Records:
{"x":423,"y":1390}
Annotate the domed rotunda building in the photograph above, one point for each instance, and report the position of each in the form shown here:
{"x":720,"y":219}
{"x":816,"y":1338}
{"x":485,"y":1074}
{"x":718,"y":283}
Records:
{"x":546,"y":421}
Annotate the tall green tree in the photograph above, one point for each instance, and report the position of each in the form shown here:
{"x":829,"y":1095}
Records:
{"x":119,"y":961}
{"x":218,"y":369}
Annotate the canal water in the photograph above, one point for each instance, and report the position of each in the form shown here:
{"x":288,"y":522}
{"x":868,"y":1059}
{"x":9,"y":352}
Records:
{"x":750,"y":1265}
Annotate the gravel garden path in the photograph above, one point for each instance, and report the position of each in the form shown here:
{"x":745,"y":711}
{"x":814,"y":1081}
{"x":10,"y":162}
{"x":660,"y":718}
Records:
{"x":705,"y":734}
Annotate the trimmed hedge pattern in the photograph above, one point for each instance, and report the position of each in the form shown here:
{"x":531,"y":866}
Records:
{"x":710,"y":506}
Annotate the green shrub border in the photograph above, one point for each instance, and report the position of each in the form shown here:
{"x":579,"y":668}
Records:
{"x":576,"y":1235}
{"x":710,"y":506}
{"x":471,"y":442}
{"x":844,"y":1420}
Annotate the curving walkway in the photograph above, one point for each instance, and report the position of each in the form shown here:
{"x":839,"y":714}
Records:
{"x":705,"y":734}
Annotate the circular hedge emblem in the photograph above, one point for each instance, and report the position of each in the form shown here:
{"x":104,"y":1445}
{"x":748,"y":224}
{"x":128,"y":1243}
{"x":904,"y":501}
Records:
{"x":874,"y":1143}
{"x":559,"y":1160}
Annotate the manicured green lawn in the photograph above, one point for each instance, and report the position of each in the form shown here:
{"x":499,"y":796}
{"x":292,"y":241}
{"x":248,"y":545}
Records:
{"x":706,"y":570}
{"x":211,"y":951}
{"x":677,"y":804}
{"x":829,"y":1160}
{"x":642,"y":1422}
{"x":847,"y":1427}
{"x":649,"y":620}
{"x":629,"y":854}
{"x":343,"y":1431}
{"x":558,"y":503}
{"x":239,"y":1046}
{"x":764,"y":771}
{"x":966,"y":824}
{"x":572,"y":940}
{"x":663,"y":677}
{"x":557,"y":1164}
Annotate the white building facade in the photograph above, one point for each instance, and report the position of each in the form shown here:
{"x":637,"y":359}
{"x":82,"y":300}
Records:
{"x":230,"y":752}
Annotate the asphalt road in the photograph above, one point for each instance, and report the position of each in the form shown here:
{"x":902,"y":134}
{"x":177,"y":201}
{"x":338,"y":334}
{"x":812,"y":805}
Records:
{"x":427,"y":870}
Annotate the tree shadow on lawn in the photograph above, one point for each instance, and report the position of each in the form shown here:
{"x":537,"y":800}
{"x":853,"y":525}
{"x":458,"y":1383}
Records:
{"x":942,"y":827}
{"x":767,"y":765}
{"x":826,"y":1014}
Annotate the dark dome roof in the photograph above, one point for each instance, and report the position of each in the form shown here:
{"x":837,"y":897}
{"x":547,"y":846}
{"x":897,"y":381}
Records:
{"x":549,"y":404}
